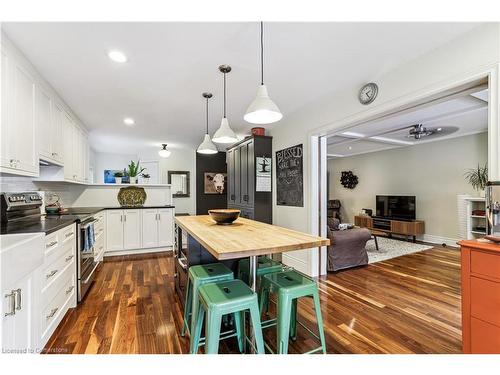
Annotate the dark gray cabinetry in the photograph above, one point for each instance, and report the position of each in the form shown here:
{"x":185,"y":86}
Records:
{"x":241,"y":173}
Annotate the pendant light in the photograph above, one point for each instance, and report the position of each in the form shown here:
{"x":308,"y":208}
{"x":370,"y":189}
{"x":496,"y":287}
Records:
{"x":262,"y":110}
{"x":207,"y":146}
{"x":164,"y":153}
{"x":224,"y":134}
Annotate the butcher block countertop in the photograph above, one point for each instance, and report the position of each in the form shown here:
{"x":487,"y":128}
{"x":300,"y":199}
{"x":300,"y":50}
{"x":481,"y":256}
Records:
{"x":245,"y":237}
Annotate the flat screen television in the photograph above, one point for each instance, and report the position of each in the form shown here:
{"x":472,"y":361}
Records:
{"x":396,"y":207}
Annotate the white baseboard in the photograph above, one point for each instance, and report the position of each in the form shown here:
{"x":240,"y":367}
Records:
{"x":137,"y":251}
{"x":439,"y":240}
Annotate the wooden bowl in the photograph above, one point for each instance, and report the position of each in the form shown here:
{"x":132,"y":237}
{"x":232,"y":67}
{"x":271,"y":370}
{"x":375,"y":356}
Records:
{"x":224,"y":216}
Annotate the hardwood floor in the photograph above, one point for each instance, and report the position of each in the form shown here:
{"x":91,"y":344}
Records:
{"x":409,"y":304}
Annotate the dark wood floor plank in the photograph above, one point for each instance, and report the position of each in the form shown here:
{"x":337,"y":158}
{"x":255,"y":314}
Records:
{"x":409,"y":304}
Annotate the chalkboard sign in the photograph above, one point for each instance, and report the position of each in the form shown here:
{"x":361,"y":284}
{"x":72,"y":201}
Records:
{"x":290,"y":177}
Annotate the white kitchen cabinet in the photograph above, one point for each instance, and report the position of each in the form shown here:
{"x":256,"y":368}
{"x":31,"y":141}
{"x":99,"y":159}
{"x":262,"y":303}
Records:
{"x":132,"y":225}
{"x":157,"y":227}
{"x":68,"y":129}
{"x":19,"y":150}
{"x":49,"y":127}
{"x":114,"y":230}
{"x":20,"y":255}
{"x":149,"y":227}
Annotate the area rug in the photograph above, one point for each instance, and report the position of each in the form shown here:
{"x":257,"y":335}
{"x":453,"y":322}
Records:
{"x":389,"y":248}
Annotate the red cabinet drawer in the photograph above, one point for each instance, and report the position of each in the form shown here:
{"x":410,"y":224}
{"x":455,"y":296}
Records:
{"x":485,"y":264}
{"x":485,"y":300}
{"x":485,"y":337}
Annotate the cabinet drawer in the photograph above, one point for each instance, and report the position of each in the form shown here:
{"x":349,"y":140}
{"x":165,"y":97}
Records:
{"x":485,"y":337}
{"x":54,"y":311}
{"x":485,"y":300}
{"x":55,"y":242}
{"x":485,"y":264}
{"x":53,"y":272}
{"x":67,"y":234}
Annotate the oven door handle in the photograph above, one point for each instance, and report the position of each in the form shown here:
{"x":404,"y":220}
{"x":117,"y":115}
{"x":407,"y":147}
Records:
{"x":87,"y":223}
{"x":91,"y":274}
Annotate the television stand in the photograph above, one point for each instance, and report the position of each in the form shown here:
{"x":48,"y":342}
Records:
{"x":390,"y":227}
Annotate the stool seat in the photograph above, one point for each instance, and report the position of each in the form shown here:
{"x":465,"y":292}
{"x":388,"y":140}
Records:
{"x":209,"y":271}
{"x":221,"y":298}
{"x":265,"y":265}
{"x":290,"y":282}
{"x":226,"y":294}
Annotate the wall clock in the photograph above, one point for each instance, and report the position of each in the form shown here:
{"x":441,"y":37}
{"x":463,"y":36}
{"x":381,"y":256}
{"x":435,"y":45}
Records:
{"x":348,"y":179}
{"x":368,"y":93}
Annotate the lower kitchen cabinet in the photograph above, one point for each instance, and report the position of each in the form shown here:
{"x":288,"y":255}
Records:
{"x":123,"y":230}
{"x":138,"y":229}
{"x":157,"y":227}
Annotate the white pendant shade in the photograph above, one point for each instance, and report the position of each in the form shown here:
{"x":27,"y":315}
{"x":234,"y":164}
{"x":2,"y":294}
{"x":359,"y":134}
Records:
{"x":262,"y":110}
{"x":224,"y":134}
{"x":207,"y":146}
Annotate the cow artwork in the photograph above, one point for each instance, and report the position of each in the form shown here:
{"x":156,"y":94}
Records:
{"x":215,"y":183}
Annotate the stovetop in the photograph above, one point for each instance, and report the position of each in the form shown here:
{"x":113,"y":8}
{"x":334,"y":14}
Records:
{"x":45,"y":223}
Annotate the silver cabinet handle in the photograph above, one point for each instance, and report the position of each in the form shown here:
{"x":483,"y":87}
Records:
{"x":52,"y":273}
{"x":124,"y":217}
{"x":121,"y":217}
{"x":52,"y":313}
{"x":12,"y":296}
{"x":18,"y":299}
{"x":69,"y":234}
{"x":68,"y":258}
{"x":50,"y":244}
{"x":70,"y":289}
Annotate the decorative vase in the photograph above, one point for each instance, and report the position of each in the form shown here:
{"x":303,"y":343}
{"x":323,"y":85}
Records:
{"x":133,"y":180}
{"x":118,"y":180}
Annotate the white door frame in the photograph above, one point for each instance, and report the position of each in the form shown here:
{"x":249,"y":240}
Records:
{"x":317,"y":212}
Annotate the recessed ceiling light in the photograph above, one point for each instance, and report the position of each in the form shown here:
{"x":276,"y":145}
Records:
{"x":128,"y":121}
{"x":350,"y":147}
{"x":117,"y":56}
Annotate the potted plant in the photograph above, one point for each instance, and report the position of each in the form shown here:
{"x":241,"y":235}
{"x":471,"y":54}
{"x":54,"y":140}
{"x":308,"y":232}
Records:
{"x":145,"y":177}
{"x":134,"y":170}
{"x":118,"y":177}
{"x":478,"y":178}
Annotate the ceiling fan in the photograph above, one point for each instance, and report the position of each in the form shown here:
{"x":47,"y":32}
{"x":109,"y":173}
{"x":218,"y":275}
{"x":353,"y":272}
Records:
{"x":419,"y":130}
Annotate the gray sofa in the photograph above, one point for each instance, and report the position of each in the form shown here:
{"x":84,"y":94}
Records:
{"x":347,"y":247}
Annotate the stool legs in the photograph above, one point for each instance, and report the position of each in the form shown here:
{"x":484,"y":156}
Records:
{"x":319,"y":319}
{"x":212,"y":327}
{"x":257,"y":328}
{"x":239,"y":323}
{"x":284,"y":314}
{"x":293,"y":320}
{"x":187,"y":307}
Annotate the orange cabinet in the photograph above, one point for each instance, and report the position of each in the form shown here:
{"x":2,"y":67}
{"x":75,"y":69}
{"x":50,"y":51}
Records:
{"x":480,"y":297}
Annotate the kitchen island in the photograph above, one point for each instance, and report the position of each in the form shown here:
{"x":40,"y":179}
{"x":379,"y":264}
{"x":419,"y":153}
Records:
{"x":244,"y":238}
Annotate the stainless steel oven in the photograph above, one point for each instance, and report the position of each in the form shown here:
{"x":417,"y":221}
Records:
{"x":86,"y":264}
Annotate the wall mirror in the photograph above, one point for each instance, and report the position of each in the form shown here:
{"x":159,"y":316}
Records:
{"x":179,"y":180}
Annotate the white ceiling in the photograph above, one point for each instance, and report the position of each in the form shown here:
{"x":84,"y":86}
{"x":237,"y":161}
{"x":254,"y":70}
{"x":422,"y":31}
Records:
{"x":171,"y":64}
{"x":467,"y":112}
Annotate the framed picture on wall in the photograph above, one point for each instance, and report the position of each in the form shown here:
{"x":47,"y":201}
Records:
{"x":215,"y":182}
{"x":109,"y":176}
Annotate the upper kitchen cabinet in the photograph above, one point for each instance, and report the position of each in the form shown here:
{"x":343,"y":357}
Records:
{"x":75,"y":151}
{"x":19,"y":152}
{"x":49,"y":127}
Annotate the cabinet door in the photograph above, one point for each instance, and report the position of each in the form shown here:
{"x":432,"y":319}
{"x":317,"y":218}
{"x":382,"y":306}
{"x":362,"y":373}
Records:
{"x":17,"y":329}
{"x":231,"y":197}
{"x":23,"y":120}
{"x":5,"y":127}
{"x":251,"y":173}
{"x":132,"y":229}
{"x":68,"y":147}
{"x":114,"y":230}
{"x":149,"y":228}
{"x":165,"y":227}
{"x":77,"y":153}
{"x":237,"y":175}
{"x":57,"y":133}
{"x":243,"y":174}
{"x":44,"y":123}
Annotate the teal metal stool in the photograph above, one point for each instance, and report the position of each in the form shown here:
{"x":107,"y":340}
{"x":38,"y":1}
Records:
{"x":221,"y":298}
{"x":289,"y":286}
{"x":199,"y":275}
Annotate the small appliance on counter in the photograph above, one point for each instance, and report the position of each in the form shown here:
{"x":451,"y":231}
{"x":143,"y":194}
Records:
{"x":54,"y":207}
